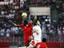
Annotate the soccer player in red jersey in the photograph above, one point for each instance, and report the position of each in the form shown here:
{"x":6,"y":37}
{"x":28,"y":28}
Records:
{"x":27,"y":29}
{"x":42,"y":44}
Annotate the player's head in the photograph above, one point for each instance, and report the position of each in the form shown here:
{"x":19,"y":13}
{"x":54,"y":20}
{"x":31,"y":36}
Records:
{"x":25,"y":22}
{"x":36,"y":22}
{"x":44,"y":40}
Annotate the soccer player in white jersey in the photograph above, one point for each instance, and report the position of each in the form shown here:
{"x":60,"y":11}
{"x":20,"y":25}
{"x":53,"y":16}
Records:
{"x":36,"y":35}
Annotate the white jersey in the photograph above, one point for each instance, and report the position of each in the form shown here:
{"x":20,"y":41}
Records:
{"x":37,"y":33}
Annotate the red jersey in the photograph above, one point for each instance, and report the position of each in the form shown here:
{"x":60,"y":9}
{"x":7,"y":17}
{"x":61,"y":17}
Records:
{"x":27,"y":30}
{"x":41,"y":45}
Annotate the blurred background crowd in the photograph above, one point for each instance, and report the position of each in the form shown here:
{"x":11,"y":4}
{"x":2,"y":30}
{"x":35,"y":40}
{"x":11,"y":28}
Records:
{"x":52,"y":26}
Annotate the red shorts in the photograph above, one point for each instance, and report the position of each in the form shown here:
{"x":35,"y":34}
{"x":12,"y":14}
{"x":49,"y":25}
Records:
{"x":26,"y":41}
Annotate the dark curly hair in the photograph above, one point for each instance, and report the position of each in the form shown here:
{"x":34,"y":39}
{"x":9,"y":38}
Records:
{"x":44,"y":40}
